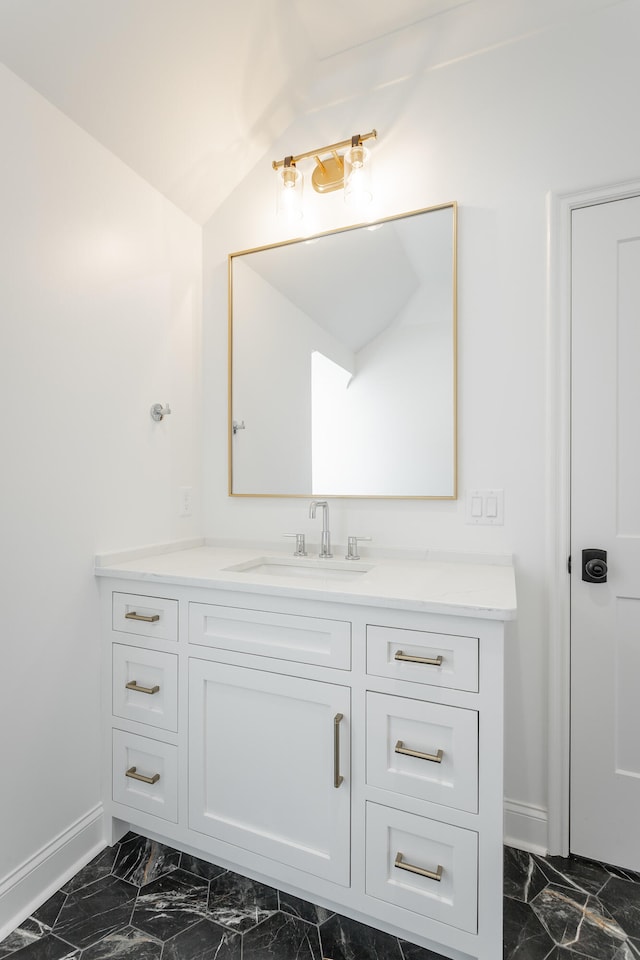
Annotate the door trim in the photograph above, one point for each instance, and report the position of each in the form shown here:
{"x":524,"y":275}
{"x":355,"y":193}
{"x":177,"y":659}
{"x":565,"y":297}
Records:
{"x":560,"y":206}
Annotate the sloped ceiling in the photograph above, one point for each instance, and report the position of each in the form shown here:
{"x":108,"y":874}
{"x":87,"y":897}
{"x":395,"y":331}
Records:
{"x":189,"y":93}
{"x":192,"y":93}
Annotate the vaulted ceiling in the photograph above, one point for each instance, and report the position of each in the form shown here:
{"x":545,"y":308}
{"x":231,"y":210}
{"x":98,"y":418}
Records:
{"x":192,"y":93}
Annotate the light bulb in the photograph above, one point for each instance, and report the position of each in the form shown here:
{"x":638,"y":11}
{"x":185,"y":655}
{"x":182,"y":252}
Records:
{"x":357,"y":176}
{"x":357,"y":156}
{"x":289,"y":193}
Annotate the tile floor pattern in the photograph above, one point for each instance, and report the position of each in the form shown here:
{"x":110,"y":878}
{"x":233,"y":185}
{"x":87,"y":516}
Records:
{"x":141,"y":900}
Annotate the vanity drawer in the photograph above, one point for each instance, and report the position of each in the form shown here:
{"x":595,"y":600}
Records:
{"x":282,"y":635}
{"x":145,"y":616}
{"x":438,"y":659}
{"x":397,"y":841}
{"x":157,"y":762}
{"x":423,"y":750}
{"x":145,"y":686}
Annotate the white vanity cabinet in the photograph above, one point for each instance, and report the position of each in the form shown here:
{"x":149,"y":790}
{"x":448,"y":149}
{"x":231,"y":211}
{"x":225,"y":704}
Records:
{"x":268,"y":756}
{"x":345,"y":750}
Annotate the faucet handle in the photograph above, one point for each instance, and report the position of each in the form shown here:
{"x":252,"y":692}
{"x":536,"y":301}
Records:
{"x":352,"y":547}
{"x":301,"y":549}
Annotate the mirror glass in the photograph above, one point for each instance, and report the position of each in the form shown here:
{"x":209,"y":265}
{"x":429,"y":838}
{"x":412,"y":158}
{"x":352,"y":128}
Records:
{"x":342,"y":362}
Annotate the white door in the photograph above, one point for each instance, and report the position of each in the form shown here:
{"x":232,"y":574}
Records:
{"x":269,"y":765}
{"x":605,"y":469}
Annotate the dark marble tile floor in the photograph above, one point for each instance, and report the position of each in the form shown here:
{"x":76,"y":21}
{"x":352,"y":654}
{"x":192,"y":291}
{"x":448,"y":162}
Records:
{"x":141,"y":900}
{"x":568,"y":909}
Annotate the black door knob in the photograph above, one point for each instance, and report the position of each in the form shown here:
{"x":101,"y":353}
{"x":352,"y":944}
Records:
{"x":594,"y":566}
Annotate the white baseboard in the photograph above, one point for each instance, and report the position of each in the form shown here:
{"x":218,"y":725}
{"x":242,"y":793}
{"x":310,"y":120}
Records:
{"x":32,"y":883}
{"x":525,"y":827}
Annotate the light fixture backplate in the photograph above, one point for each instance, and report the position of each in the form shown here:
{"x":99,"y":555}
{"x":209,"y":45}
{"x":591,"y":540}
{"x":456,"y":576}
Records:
{"x":329,"y":176}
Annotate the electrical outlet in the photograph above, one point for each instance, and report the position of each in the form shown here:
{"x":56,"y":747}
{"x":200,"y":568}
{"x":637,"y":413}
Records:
{"x":185,"y":501}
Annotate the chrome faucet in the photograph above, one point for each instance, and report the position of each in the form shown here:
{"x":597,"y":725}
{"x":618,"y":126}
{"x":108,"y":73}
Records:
{"x":325,"y":546}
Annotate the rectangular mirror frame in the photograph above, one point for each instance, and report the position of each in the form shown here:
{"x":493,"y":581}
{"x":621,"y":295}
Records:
{"x":285,"y":243}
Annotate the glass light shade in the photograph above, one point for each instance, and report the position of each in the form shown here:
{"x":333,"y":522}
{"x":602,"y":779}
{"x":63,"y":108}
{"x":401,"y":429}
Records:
{"x":289,"y":193}
{"x":357,"y":176}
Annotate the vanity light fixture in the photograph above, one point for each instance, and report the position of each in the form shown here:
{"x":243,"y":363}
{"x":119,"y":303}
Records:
{"x":333,"y":170}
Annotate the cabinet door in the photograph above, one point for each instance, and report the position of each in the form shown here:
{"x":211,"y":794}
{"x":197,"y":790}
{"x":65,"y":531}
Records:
{"x":269,"y":765}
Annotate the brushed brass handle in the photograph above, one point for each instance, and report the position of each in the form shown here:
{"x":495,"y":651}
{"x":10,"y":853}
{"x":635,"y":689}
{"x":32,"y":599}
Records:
{"x":406,"y":752}
{"x":132,"y":685}
{"x":131,"y":772}
{"x":432,"y":661}
{"x":337,"y":779}
{"x":429,"y":874}
{"x":138,"y":616}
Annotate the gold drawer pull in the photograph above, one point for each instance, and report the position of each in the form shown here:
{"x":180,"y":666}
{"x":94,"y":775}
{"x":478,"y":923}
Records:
{"x":434,"y":757}
{"x":138,"y":616}
{"x":337,"y":779}
{"x":132,"y":685}
{"x":131,"y":772}
{"x":401,"y":865}
{"x":432,"y":661}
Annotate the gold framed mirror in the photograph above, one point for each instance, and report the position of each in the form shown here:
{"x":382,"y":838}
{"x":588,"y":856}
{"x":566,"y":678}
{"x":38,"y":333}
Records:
{"x":342,"y":362}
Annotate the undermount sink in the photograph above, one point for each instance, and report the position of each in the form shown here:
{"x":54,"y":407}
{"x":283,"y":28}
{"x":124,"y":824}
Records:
{"x":308,"y":568}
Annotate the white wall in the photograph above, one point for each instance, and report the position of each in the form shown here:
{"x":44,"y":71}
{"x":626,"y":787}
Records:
{"x":100,"y":305}
{"x":495,"y":131}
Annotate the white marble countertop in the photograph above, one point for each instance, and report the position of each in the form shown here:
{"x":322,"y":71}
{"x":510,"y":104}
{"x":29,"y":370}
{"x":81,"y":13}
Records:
{"x":464,"y":586}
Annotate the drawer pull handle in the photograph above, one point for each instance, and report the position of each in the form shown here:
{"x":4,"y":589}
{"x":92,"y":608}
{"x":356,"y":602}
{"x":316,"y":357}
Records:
{"x":132,"y":685}
{"x":431,"y":661}
{"x":138,"y":616}
{"x":433,"y":757}
{"x":337,"y":779}
{"x":131,"y":772}
{"x":401,"y":865}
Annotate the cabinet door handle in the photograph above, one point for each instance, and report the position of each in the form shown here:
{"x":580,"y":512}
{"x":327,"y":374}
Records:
{"x":138,"y":616}
{"x":429,"y":874}
{"x":433,"y":757}
{"x":132,"y":685}
{"x":131,"y":772}
{"x":337,"y":779}
{"x":432,"y":661}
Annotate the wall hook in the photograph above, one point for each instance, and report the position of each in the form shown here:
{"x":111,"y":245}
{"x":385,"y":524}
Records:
{"x":158,"y":412}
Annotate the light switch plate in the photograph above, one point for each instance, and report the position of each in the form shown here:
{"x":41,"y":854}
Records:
{"x":485,"y":506}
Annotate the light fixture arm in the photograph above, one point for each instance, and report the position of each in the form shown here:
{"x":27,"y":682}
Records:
{"x":357,"y":139}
